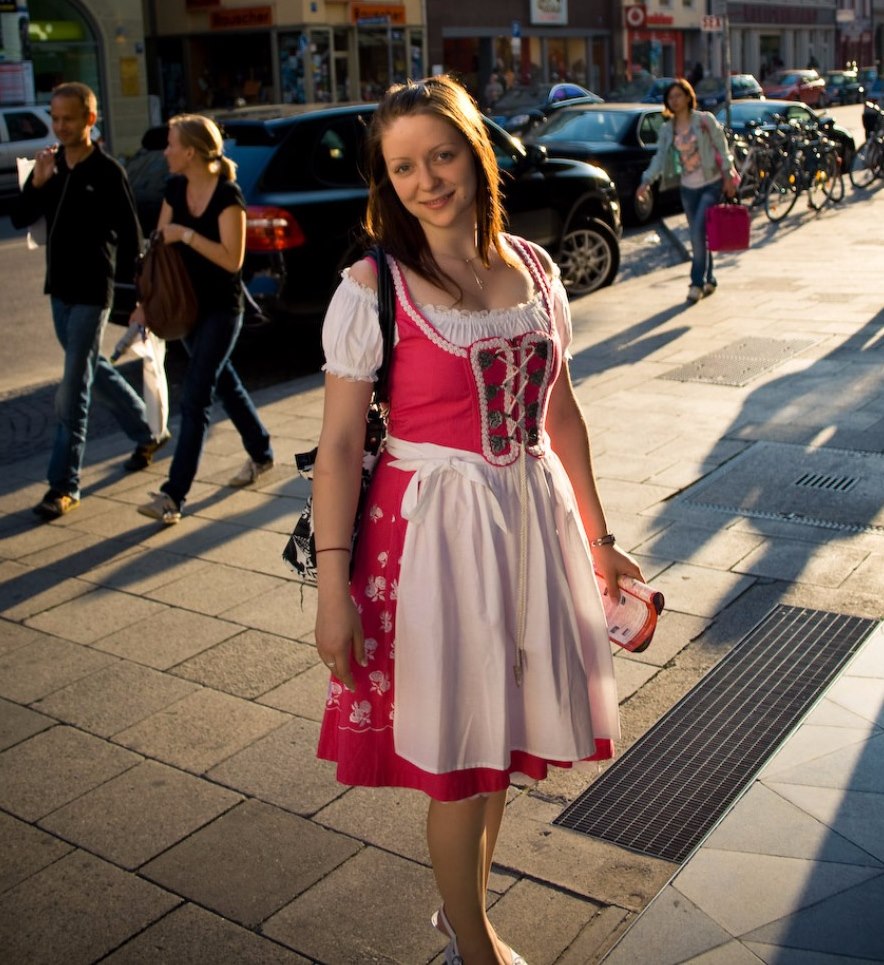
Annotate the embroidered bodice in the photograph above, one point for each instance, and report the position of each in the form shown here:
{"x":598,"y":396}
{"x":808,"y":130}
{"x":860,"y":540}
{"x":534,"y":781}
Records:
{"x":466,"y":380}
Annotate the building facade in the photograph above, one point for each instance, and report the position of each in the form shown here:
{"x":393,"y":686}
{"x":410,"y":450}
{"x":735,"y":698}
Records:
{"x":856,"y":36}
{"x":768,"y":34}
{"x":148,"y":59}
{"x":210,"y":54}
{"x":663,"y":38}
{"x":98,"y":42}
{"x":522,"y":41}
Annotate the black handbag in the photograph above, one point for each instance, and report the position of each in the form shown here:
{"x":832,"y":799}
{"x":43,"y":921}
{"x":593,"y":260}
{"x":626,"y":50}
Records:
{"x":300,"y":550}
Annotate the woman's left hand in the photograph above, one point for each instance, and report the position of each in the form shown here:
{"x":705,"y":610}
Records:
{"x":612,"y":563}
{"x":730,"y":187}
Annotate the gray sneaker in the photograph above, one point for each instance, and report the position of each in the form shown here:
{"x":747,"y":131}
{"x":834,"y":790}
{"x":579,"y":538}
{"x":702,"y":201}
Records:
{"x":250,"y":473}
{"x":163,"y":508}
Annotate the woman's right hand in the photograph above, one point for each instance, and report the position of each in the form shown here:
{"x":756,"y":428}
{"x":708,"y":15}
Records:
{"x":641,"y":192}
{"x":339,"y":637}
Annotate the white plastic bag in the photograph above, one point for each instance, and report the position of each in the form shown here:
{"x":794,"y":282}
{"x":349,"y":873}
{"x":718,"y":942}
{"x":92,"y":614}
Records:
{"x":154,"y":385}
{"x":37,"y":232}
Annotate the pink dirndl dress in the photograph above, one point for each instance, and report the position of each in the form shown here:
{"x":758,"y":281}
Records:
{"x":487,"y":649}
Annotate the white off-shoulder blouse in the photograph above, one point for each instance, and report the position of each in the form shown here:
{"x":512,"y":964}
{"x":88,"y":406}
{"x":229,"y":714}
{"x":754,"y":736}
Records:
{"x":351,"y":336}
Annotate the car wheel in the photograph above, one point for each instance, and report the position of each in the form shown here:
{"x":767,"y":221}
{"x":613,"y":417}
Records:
{"x":644,"y":208}
{"x":589,"y":257}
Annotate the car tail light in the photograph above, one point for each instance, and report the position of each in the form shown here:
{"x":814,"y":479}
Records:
{"x":271,"y":229}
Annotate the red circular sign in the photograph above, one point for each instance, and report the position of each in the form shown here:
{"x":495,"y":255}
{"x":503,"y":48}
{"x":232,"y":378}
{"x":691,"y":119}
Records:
{"x":635,"y":16}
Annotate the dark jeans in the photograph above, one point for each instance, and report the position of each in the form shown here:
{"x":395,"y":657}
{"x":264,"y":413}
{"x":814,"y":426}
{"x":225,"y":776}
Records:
{"x":210,"y":374}
{"x":79,"y":329}
{"x":696,"y":202}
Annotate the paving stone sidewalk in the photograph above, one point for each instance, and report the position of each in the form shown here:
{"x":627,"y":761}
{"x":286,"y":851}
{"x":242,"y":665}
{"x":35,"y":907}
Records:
{"x":160,"y":696}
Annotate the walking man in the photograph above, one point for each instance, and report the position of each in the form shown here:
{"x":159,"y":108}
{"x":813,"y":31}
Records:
{"x":91,"y":224}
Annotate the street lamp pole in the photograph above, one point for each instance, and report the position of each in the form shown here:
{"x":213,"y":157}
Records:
{"x":725,"y":58}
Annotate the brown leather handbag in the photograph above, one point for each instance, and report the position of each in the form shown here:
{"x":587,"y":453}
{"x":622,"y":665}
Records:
{"x":165,"y":291}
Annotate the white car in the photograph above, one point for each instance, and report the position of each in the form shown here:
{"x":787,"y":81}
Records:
{"x":24,"y":130}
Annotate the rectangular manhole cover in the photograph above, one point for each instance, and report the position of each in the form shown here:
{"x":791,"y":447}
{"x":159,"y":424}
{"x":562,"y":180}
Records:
{"x":833,"y":488}
{"x":672,"y":786}
{"x":739,"y":362}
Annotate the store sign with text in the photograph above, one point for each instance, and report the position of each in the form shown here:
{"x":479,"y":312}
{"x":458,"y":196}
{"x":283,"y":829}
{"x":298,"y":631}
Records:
{"x":368,"y":14}
{"x":240,"y":18}
{"x":549,"y":12}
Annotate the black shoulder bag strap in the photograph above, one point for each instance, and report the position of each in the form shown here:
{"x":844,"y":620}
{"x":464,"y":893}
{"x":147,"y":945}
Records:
{"x":386,"y":319}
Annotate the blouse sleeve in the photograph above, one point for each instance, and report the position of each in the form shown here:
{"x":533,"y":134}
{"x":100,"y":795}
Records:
{"x":351,"y":334}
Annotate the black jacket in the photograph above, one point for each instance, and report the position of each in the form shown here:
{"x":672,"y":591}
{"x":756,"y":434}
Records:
{"x":92,"y":227}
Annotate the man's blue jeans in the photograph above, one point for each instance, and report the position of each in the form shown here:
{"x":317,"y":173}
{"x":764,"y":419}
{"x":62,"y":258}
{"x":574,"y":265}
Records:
{"x":696,"y":202}
{"x":79,"y":329}
{"x":210,"y":373}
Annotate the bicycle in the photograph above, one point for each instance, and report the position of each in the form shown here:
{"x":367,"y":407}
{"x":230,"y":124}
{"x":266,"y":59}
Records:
{"x":868,"y":161}
{"x":811,"y":164}
{"x":755,"y":152}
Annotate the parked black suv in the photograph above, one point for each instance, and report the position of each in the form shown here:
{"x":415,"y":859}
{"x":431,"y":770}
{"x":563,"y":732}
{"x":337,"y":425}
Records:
{"x":301,"y":175}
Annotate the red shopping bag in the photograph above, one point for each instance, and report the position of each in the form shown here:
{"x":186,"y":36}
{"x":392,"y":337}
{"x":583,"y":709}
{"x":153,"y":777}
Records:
{"x":727,"y":227}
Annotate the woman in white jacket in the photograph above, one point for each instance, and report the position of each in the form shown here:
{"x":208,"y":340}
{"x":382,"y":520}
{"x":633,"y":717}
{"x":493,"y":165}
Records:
{"x":693,"y":150}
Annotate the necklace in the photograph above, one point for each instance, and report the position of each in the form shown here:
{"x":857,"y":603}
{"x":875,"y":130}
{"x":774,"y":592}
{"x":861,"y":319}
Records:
{"x":469,"y":263}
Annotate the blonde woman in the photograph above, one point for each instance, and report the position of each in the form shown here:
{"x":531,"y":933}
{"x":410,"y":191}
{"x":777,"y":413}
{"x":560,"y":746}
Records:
{"x":204,"y":213}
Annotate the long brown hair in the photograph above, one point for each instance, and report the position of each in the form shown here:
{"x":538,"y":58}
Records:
{"x":203,"y":135}
{"x":387,"y":222}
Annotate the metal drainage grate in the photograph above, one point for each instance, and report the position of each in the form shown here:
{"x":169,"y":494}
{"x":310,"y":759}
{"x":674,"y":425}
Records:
{"x":672,"y":786}
{"x":765,"y":482}
{"x":739,"y":362}
{"x":832,"y":484}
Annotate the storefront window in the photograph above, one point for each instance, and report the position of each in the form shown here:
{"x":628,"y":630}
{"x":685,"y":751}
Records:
{"x":63,"y":47}
{"x":292,"y":49}
{"x":382,"y":60}
{"x":342,"y":65}
{"x":320,"y":66}
{"x":566,"y":60}
{"x":418,"y":61}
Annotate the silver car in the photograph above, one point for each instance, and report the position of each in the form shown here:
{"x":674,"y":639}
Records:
{"x":24,"y":130}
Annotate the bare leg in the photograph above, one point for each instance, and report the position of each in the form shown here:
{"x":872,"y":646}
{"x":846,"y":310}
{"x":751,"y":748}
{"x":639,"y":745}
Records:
{"x":493,"y":820}
{"x":457,"y":836}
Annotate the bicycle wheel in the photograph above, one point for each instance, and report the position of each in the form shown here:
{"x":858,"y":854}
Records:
{"x":821,"y":179}
{"x":833,"y":186}
{"x":878,"y":165}
{"x":747,"y":192}
{"x":782,"y":193}
{"x":862,"y":166}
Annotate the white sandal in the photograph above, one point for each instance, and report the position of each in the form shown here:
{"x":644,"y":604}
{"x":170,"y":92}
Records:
{"x":452,"y":956}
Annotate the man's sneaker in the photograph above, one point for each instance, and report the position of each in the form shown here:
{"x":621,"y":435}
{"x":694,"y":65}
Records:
{"x":143,"y":455}
{"x":56,"y":504}
{"x":709,"y":288}
{"x":161,"y":507}
{"x":694,"y":294}
{"x":250,"y":473}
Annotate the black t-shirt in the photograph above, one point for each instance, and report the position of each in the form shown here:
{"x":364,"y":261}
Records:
{"x":216,"y":289}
